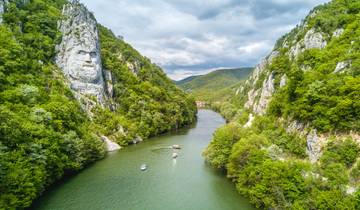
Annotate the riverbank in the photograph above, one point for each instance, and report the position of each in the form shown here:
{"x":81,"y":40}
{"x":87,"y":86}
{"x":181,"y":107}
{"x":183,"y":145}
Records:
{"x":185,"y":183}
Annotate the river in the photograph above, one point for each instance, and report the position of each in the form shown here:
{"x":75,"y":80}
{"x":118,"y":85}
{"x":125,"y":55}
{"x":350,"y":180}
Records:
{"x":185,"y":183}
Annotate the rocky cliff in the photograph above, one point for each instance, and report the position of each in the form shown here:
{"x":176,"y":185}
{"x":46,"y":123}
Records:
{"x":293,"y":52}
{"x":293,"y":142}
{"x":79,"y":57}
{"x":79,"y":54}
{"x":69,"y":91}
{"x":2,"y":8}
{"x":114,"y":81}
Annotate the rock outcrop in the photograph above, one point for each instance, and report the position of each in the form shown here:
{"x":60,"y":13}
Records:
{"x":109,"y":83}
{"x":267,"y":87}
{"x":341,"y":66}
{"x":295,"y":50}
{"x":79,"y":53}
{"x":313,"y":146}
{"x":2,"y":9}
{"x":267,"y":91}
{"x":110,"y":146}
{"x":283,"y":80}
{"x":351,"y":190}
{"x":261,"y":67}
{"x":275,"y":152}
{"x":252,"y":94}
{"x":137,"y":140}
{"x":134,"y":66}
{"x":250,"y":121}
{"x":296,"y":127}
{"x":312,"y":40}
{"x":80,"y":60}
{"x":338,"y":32}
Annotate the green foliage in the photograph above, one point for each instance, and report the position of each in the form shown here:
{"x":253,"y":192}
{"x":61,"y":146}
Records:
{"x":328,"y":101}
{"x":44,"y":133}
{"x":149,"y":103}
{"x":264,"y":128}
{"x":272,"y":182}
{"x":218,"y":152}
{"x":214,"y":86}
{"x":43,"y":130}
{"x":343,"y":152}
{"x":226,"y":109}
{"x":269,"y":164}
{"x":355,"y":173}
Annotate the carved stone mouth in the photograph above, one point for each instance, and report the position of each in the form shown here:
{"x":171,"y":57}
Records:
{"x":89,"y":66}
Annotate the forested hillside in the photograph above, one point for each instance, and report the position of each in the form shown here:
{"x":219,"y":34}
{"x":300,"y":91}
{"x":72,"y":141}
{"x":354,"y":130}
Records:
{"x":45,"y":130}
{"x":293,"y":140}
{"x":216,"y":85}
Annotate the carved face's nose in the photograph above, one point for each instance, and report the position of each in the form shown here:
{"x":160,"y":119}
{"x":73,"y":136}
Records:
{"x":88,"y":58}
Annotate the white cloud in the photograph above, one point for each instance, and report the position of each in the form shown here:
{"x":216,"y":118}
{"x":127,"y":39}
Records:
{"x":180,"y":74}
{"x":188,"y":37}
{"x":254,"y":48}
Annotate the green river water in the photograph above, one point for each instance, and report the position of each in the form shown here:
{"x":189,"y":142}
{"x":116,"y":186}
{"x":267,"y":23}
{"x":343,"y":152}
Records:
{"x":116,"y":182}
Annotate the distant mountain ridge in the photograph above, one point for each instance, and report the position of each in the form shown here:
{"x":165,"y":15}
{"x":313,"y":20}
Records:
{"x":208,"y":87}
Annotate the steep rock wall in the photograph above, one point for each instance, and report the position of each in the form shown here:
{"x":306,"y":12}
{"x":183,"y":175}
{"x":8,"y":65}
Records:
{"x":2,"y":9}
{"x":79,"y":53}
{"x":79,"y":57}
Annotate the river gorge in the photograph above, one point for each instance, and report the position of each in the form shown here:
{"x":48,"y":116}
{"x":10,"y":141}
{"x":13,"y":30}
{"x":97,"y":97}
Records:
{"x":116,"y":182}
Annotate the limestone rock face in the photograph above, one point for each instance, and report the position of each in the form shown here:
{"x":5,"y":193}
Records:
{"x":267,"y":91}
{"x":2,"y":9}
{"x":342,"y":65}
{"x":259,"y":69}
{"x":252,"y":94}
{"x":313,"y":146}
{"x":134,"y":67}
{"x":296,"y":126}
{"x":338,"y":32}
{"x":283,"y":80}
{"x":314,"y":40}
{"x":250,"y":121}
{"x":109,"y":83}
{"x":275,"y":152}
{"x":110,"y":145}
{"x":295,"y":50}
{"x":262,"y":66}
{"x":351,"y":190}
{"x":79,"y":52}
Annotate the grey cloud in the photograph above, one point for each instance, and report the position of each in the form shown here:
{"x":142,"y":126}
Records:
{"x":190,"y":37}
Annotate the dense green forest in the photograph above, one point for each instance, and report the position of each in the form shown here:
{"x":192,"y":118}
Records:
{"x":44,"y":132}
{"x":268,"y":158}
{"x":214,"y":86}
{"x":149,"y":102}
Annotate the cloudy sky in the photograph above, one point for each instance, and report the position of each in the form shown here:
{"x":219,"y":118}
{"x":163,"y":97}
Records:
{"x":190,"y":37}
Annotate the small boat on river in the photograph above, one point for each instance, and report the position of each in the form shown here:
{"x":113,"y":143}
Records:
{"x":143,"y":167}
{"x":176,"y":146}
{"x":175,"y":155}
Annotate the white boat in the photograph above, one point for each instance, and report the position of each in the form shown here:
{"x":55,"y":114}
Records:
{"x":175,"y":155}
{"x":143,"y":167}
{"x":176,"y":146}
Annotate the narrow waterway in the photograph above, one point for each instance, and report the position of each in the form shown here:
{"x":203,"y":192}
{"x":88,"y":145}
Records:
{"x":185,"y":183}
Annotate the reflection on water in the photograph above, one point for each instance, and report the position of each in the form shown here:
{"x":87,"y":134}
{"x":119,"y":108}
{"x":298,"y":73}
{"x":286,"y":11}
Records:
{"x":170,"y":184}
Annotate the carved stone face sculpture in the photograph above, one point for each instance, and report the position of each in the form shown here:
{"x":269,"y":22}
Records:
{"x":79,"y":51}
{"x":84,"y":64}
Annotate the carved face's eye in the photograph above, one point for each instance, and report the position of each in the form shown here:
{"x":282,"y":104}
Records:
{"x":82,"y":52}
{"x":93,"y":54}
